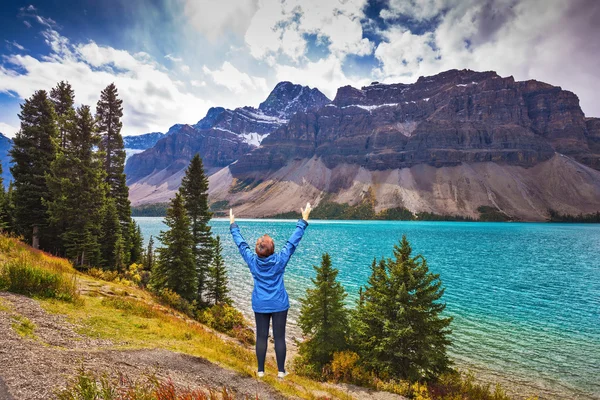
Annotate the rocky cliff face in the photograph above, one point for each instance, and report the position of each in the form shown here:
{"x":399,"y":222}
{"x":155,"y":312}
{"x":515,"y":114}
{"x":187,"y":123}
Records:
{"x":221,"y":137}
{"x":444,"y":120}
{"x":254,"y":124}
{"x":173,"y":153}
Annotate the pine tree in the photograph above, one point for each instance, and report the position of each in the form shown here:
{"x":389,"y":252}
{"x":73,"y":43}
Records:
{"x":76,"y":181}
{"x":136,"y":249}
{"x":63,"y":98}
{"x":109,"y":111}
{"x":111,"y":244}
{"x":4,"y":217}
{"x":398,"y":327}
{"x":149,"y":259}
{"x":34,"y":149}
{"x":194,"y":189}
{"x":216,"y":286}
{"x":175,"y":267}
{"x":324,"y":319}
{"x":7,"y":218}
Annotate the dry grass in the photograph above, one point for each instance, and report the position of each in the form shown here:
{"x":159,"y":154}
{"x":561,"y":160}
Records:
{"x":131,"y":317}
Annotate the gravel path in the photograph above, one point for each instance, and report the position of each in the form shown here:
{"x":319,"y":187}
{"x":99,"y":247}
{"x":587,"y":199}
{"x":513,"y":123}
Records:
{"x":34,"y":368}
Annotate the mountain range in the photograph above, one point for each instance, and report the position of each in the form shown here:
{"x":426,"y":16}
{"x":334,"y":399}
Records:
{"x":447,"y":144}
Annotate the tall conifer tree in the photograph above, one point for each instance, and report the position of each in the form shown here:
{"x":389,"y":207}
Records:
{"x":323,"y":317}
{"x":112,"y":248}
{"x":216,"y":285}
{"x":109,"y":111}
{"x":175,"y":267}
{"x":149,"y":259}
{"x":63,"y":98}
{"x":4,"y":217}
{"x":76,"y":180}
{"x":398,"y":328}
{"x":34,"y":149}
{"x":194,"y":189}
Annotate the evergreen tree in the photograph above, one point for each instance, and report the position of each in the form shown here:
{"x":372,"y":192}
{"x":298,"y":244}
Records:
{"x":398,"y":328}
{"x":76,"y":181}
{"x":323,"y":317}
{"x":63,"y":98}
{"x":109,"y":111}
{"x":175,"y":267}
{"x":34,"y":149}
{"x":194,"y":189}
{"x":4,"y":217}
{"x":149,"y":259}
{"x":111,"y":244}
{"x":7,"y":218}
{"x":216,"y":286}
{"x":136,"y":249}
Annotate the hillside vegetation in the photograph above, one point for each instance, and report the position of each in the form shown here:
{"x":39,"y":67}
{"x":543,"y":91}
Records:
{"x":128,"y":317}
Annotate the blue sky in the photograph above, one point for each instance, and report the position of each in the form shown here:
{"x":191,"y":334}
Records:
{"x":173,"y":59}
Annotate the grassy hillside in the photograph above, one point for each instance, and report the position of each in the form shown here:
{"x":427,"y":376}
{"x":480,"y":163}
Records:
{"x":130,"y":317}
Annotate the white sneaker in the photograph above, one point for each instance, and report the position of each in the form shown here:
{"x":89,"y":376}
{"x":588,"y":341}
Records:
{"x":260,"y":374}
{"x":281,"y":375}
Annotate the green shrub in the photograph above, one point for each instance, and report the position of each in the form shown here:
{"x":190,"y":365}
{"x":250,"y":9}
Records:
{"x":169,"y":298}
{"x":227,"y":319}
{"x":22,"y":277}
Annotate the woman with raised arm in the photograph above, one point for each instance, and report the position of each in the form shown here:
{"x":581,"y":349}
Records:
{"x":269,"y":297}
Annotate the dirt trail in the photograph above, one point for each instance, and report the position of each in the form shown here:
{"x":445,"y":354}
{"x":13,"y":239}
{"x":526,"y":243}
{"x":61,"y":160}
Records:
{"x":34,"y":368}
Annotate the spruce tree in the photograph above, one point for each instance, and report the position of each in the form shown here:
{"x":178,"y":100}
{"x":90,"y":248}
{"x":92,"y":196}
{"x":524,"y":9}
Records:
{"x":324,"y":319}
{"x":4,"y":217}
{"x":76,"y":181}
{"x":63,"y":98}
{"x":111,"y":244}
{"x":109,"y":112}
{"x":136,"y":243}
{"x":194,"y":189}
{"x":7,"y":218}
{"x":149,"y":259}
{"x":175,"y":267}
{"x":34,"y":149}
{"x":398,"y":328}
{"x":216,"y":285}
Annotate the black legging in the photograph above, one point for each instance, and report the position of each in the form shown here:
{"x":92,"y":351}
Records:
{"x":262,"y":334}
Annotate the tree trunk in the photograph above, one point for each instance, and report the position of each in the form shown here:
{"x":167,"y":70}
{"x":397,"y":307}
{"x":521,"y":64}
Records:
{"x":35,"y":242}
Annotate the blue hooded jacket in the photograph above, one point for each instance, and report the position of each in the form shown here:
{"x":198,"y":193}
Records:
{"x":269,"y":294}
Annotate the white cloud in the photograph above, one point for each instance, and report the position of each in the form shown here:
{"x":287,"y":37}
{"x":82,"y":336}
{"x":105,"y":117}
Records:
{"x":185,"y":68}
{"x":235,"y":80}
{"x":8,"y":130}
{"x":27,"y":24}
{"x":198,"y":83}
{"x":280,"y":28}
{"x":16,"y":45}
{"x":152,"y":100}
{"x":173,"y":58}
{"x":216,"y":18}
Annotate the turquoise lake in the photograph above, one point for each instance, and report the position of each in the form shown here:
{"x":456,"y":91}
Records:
{"x":525,"y":297}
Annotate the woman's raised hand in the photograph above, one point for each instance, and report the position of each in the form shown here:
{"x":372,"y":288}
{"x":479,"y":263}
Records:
{"x":306,"y":211}
{"x":231,"y":217}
